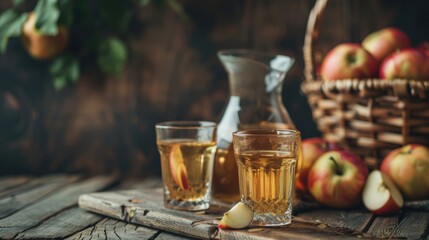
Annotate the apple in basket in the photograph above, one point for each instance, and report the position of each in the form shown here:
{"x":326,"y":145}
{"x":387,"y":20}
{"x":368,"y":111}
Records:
{"x":337,"y":179}
{"x":380,"y":195}
{"x":348,"y":60}
{"x":312,"y":149}
{"x":178,"y":168}
{"x":408,"y":167}
{"x":406,"y":64}
{"x":40,"y":45}
{"x":383,"y":42}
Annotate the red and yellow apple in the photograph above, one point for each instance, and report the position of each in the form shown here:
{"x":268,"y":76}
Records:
{"x":239,"y":216}
{"x":312,"y":149}
{"x":348,"y":60}
{"x":337,"y":179}
{"x":178,"y":168}
{"x":408,"y":167}
{"x":42,"y":46}
{"x":406,"y":64}
{"x":380,"y":195}
{"x":383,"y":42}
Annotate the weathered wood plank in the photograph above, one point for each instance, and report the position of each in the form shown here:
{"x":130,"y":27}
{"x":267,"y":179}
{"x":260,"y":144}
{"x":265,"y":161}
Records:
{"x":62,"y":225}
{"x":353,"y":219}
{"x":29,"y":184}
{"x":13,"y":203}
{"x":170,"y":236}
{"x":38,"y":212}
{"x":113,"y":229}
{"x":410,"y":225}
{"x":8,"y":182}
{"x":146,"y":208}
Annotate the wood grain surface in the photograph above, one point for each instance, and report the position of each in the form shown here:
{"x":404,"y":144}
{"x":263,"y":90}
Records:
{"x":46,"y":207}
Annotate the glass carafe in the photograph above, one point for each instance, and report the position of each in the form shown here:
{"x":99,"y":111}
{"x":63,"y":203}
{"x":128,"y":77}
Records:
{"x":255,"y":81}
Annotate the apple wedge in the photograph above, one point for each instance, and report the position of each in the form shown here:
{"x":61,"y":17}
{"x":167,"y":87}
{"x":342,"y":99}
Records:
{"x":380,"y":195}
{"x":239,"y":216}
{"x":178,"y":168}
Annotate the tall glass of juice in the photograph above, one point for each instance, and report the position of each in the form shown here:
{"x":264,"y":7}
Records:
{"x":266,"y":161}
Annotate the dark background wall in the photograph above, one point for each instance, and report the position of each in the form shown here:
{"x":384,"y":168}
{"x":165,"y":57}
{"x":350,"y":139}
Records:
{"x":106,"y":125}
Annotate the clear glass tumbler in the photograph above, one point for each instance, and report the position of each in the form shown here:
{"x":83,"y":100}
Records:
{"x":266,"y":161}
{"x":187,"y":150}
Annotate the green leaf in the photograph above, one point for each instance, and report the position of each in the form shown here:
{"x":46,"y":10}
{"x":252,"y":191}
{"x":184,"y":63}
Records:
{"x":59,"y":83}
{"x":66,"y":9}
{"x":47,"y":15}
{"x":112,"y":55}
{"x":64,"y":69}
{"x":16,"y":3}
{"x":11,"y":22}
{"x":144,"y":2}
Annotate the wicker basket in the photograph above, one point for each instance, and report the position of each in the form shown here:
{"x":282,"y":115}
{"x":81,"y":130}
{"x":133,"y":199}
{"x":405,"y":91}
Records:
{"x":368,"y":116}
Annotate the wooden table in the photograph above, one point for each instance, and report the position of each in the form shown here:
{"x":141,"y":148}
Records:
{"x":46,"y":207}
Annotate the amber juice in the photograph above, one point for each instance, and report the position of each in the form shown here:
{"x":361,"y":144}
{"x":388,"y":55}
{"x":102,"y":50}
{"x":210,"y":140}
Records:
{"x":266,"y":181}
{"x":225,"y":176}
{"x":187,"y":167}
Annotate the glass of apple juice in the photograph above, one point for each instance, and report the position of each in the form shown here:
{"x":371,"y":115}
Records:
{"x":266,"y":161}
{"x":187,"y":150}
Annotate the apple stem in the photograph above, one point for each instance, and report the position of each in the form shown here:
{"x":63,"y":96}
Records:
{"x":338,"y":169}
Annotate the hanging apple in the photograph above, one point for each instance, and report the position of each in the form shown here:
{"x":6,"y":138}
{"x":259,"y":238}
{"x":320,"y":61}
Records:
{"x":40,"y":45}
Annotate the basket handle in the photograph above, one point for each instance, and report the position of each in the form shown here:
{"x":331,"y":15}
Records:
{"x":311,"y":35}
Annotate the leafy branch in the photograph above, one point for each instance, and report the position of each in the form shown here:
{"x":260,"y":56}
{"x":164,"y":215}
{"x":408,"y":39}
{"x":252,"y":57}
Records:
{"x":72,"y":34}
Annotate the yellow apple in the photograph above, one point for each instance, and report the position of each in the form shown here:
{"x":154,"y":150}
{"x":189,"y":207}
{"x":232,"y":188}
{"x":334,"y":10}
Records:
{"x":40,"y":45}
{"x":408,"y":167}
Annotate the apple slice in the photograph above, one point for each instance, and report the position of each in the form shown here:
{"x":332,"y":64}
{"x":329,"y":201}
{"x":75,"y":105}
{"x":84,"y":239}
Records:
{"x":380,"y":195}
{"x":239,"y":216}
{"x":178,"y":168}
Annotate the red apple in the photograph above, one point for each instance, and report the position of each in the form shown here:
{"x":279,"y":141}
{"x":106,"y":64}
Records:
{"x":41,"y":46}
{"x":348,"y":60}
{"x":239,"y":216}
{"x":408,"y":167}
{"x":312,"y":149}
{"x":380,"y":195}
{"x":337,"y":179}
{"x":385,"y":41}
{"x":407,"y":64}
{"x":178,"y":168}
